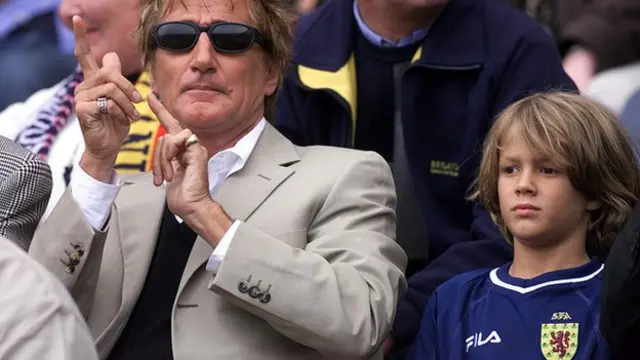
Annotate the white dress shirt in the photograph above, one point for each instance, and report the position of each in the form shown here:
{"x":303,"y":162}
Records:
{"x":95,"y":197}
{"x":39,"y":319}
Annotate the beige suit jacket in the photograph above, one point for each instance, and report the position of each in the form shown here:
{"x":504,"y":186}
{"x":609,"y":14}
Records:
{"x":316,"y":242}
{"x":39,"y":320}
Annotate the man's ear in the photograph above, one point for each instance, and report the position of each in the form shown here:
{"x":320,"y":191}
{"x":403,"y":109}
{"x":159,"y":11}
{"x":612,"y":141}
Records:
{"x":154,"y":89}
{"x":149,"y":70}
{"x":274,"y":79}
{"x":272,"y":84}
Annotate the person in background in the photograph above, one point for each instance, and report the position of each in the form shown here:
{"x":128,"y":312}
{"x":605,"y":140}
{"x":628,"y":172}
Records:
{"x":39,"y":319}
{"x":35,"y":49}
{"x":593,"y":36}
{"x":241,"y":245}
{"x":419,"y":82}
{"x":598,"y":40}
{"x":620,"y":314}
{"x":560,"y":177}
{"x":600,"y":43}
{"x":25,"y":186}
{"x":47,"y":123}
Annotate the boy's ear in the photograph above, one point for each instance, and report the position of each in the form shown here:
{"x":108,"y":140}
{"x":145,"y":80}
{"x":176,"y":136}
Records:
{"x":593,"y":205}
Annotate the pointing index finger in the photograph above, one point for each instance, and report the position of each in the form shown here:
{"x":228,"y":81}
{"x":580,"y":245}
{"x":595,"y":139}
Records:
{"x":86,"y":59}
{"x":166,"y":119}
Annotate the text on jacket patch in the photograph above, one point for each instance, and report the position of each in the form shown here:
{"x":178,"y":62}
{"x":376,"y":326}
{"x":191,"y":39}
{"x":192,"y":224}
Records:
{"x":445,"y":168}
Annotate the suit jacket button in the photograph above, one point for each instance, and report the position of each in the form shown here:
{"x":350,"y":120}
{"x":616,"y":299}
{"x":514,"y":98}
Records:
{"x":77,"y":249}
{"x":74,"y":260}
{"x":75,"y":257}
{"x":243,"y":288}
{"x":254,"y":292}
{"x":265,"y":298}
{"x":70,"y":269}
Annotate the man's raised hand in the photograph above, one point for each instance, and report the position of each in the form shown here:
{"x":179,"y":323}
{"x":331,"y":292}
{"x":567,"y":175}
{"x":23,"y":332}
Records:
{"x":104,"y":103}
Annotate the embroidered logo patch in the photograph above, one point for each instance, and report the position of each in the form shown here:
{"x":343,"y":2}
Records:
{"x":559,"y":341}
{"x":445,"y":168}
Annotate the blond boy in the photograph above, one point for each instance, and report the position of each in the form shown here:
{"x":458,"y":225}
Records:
{"x":559,"y":177}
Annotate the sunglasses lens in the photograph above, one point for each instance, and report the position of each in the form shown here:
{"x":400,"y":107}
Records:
{"x":175,"y":36}
{"x":231,"y":37}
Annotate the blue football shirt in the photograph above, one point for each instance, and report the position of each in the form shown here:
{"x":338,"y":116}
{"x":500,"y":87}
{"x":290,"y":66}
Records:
{"x":490,"y":315}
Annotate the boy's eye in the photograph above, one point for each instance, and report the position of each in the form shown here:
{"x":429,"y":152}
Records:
{"x":509,"y":169}
{"x":547,"y":170}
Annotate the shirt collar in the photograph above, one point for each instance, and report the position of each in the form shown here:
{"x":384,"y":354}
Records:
{"x":501,"y":277}
{"x":244,"y":147}
{"x":378,"y":40}
{"x":229,"y":161}
{"x":226,"y":162}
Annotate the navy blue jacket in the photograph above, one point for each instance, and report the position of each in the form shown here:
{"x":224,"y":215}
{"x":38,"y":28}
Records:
{"x":478,"y":57}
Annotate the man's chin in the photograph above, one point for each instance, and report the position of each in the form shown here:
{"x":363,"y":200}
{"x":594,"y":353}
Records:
{"x":194,"y":118}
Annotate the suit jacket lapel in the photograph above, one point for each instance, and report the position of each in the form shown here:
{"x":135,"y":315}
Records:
{"x":243,"y":192}
{"x":140,"y":207}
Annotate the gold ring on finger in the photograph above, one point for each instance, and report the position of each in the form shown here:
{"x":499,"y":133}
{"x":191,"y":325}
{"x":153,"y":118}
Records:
{"x":191,"y":140}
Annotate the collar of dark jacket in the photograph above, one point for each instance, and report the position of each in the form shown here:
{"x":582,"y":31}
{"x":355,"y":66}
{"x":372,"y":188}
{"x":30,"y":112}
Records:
{"x":324,"y":39}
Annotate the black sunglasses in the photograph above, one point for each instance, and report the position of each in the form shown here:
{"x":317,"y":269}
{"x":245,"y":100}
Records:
{"x":226,"y":37}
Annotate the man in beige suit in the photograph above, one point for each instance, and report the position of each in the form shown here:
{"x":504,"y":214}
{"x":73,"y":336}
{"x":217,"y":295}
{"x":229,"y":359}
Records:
{"x":241,"y":245}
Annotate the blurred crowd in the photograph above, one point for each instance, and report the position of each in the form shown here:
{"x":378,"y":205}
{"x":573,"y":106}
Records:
{"x":319,"y":179}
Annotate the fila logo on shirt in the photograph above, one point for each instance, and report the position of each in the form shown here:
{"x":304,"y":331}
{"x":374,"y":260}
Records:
{"x":477,"y":340}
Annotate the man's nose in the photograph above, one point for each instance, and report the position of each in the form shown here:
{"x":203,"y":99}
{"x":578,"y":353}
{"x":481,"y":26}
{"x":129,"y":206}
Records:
{"x":204,"y":54}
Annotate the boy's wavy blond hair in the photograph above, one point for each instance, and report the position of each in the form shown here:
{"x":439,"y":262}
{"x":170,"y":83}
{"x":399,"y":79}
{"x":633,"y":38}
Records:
{"x":582,"y":137}
{"x":273,"y":18}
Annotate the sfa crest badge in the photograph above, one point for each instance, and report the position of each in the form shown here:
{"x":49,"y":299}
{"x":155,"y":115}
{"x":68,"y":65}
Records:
{"x":559,"y":341}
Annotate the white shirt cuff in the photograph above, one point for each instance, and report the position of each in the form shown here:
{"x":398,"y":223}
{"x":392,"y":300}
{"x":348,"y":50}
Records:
{"x":94,"y":197}
{"x":215,"y":260}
